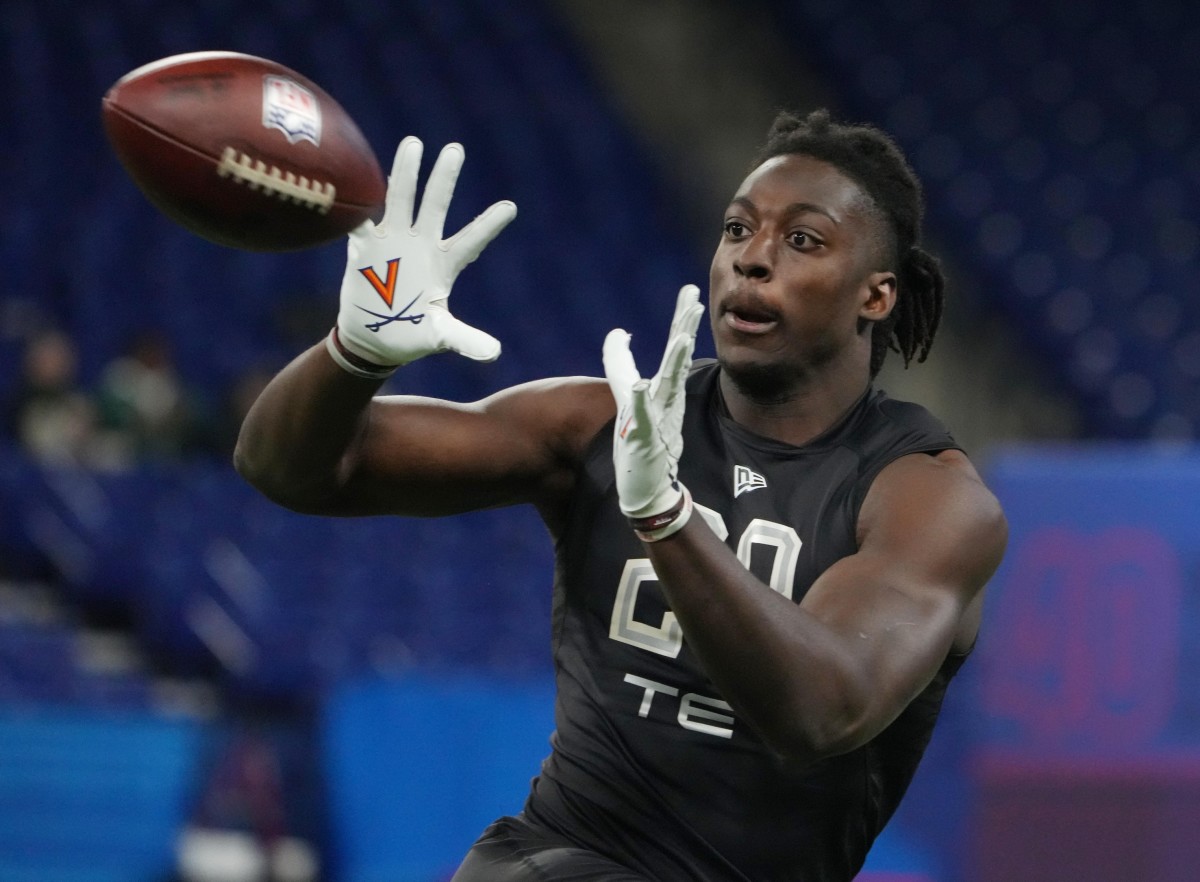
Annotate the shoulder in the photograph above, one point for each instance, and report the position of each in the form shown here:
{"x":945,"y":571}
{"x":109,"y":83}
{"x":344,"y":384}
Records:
{"x":885,"y":430}
{"x":925,"y":486}
{"x":890,"y":424}
{"x":937,"y":506}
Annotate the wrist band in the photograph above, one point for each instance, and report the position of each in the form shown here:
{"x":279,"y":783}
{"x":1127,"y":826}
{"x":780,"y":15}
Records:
{"x":670,"y":522}
{"x":353,"y":364}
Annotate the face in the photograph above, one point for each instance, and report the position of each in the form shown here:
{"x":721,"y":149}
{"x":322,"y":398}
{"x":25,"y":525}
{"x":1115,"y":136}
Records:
{"x":797,"y":276}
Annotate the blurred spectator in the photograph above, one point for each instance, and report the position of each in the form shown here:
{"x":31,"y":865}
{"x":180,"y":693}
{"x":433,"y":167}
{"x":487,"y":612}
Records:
{"x":52,"y":416}
{"x":239,"y":832}
{"x":144,"y":405}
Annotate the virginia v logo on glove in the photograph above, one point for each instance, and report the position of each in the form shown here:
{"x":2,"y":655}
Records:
{"x":386,"y":290}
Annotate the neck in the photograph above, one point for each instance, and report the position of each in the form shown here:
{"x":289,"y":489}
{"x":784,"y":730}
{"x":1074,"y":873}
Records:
{"x":797,"y":414}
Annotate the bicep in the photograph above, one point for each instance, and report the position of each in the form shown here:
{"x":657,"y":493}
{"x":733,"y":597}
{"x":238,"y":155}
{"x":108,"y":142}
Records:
{"x":425,"y":457}
{"x":931,"y":537}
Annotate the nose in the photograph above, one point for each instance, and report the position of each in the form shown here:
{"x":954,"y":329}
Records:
{"x":756,"y":259}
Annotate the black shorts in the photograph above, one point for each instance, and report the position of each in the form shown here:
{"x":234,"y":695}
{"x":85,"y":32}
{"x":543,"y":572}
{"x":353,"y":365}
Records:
{"x":514,"y":850}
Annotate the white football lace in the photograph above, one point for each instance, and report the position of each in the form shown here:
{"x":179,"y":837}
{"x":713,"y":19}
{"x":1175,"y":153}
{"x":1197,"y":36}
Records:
{"x":257,"y":175}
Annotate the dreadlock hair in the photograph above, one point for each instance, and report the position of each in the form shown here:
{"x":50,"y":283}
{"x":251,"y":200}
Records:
{"x":871,"y":159}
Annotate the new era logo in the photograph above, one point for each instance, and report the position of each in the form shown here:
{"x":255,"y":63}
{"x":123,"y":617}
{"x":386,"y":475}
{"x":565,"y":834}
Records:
{"x":745,"y":480}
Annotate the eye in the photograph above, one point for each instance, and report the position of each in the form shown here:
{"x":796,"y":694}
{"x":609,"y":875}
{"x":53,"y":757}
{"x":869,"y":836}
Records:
{"x":735,"y":229}
{"x":803,"y":240}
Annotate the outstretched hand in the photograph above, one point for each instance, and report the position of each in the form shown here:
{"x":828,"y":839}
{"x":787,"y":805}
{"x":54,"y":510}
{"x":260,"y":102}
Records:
{"x":399,"y":272}
{"x":648,"y":439}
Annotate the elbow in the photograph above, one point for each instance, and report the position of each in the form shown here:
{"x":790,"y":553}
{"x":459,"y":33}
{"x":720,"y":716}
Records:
{"x":244,"y":464}
{"x":809,"y":746}
{"x":806,"y":746}
{"x":810,"y":734}
{"x":837,"y":740}
{"x":256,"y":472}
{"x":271,"y":481}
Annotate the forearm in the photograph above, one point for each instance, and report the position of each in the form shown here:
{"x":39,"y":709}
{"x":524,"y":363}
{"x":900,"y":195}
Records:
{"x":298,"y":441}
{"x":788,"y":675}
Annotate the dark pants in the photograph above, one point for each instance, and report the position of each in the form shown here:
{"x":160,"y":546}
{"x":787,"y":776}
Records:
{"x":513,"y":850}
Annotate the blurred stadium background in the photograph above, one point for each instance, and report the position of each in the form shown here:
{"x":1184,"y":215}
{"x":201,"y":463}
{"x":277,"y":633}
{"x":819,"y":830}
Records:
{"x":195,"y":684}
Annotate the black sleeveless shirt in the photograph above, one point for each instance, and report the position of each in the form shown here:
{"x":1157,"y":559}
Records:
{"x":649,"y":764}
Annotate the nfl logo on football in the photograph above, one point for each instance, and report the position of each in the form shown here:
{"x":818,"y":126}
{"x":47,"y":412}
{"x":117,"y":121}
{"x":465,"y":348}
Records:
{"x":292,"y":109}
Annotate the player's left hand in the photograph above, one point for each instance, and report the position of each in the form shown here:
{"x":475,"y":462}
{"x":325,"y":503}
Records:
{"x":648,"y":438}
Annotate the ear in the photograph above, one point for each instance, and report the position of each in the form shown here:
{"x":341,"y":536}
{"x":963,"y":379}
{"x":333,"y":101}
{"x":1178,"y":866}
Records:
{"x":881,"y":296}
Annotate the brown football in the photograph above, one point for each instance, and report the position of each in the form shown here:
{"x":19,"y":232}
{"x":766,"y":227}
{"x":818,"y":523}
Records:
{"x":243,"y":151}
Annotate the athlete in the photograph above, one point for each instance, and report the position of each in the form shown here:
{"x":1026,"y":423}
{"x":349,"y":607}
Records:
{"x":767,"y":570}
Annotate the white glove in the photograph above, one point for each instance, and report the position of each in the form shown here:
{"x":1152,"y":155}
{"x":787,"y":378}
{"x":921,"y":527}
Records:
{"x":648,"y":437}
{"x":399,"y":272}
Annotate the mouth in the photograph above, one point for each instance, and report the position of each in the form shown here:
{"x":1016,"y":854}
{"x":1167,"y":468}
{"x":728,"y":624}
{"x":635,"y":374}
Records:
{"x":748,"y":315}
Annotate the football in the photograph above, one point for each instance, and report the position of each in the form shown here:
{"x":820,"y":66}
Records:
{"x":243,"y":151}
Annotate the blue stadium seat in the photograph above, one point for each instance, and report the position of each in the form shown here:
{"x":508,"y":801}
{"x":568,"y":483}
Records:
{"x":1053,"y":142}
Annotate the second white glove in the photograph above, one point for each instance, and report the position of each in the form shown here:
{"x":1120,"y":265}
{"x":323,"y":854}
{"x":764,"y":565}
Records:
{"x":648,"y":437}
{"x":399,"y":272}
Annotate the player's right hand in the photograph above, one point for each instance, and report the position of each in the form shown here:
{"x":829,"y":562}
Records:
{"x":399,"y":272}
{"x":648,"y":434}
